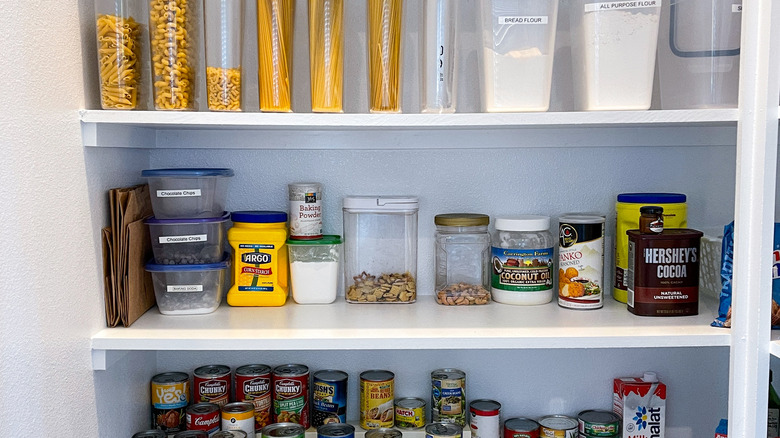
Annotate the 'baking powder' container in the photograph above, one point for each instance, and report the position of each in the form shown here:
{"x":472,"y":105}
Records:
{"x":522,"y":260}
{"x":305,"y":211}
{"x":628,"y":205}
{"x":581,"y":261}
{"x":485,"y":418}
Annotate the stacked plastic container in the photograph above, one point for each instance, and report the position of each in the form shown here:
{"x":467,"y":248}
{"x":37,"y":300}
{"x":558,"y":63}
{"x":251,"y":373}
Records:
{"x":190,"y":267}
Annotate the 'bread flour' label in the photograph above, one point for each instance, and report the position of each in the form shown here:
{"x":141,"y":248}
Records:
{"x":608,"y":6}
{"x":523,"y":20}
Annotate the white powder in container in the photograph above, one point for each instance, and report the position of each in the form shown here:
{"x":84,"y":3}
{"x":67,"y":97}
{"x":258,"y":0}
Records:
{"x":516,"y":81}
{"x":314,"y":282}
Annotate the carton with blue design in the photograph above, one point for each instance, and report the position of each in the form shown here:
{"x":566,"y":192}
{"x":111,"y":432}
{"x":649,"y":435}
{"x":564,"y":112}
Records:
{"x":640,"y":402}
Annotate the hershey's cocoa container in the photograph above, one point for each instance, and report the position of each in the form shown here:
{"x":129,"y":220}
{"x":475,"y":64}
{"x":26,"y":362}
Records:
{"x":212,"y":384}
{"x":581,"y":261}
{"x":170,"y":397}
{"x":291,"y":394}
{"x":485,"y":418}
{"x":663,"y":272}
{"x":253,"y":385}
{"x":204,"y":417}
{"x":521,"y":428}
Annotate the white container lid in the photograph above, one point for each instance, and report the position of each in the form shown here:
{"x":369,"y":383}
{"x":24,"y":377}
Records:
{"x":527,"y":222}
{"x":582,"y":218}
{"x":382,"y":203}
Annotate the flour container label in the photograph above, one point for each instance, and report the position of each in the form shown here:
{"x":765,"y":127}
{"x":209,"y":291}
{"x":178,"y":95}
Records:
{"x":542,"y":19}
{"x":522,"y":270}
{"x":608,"y":6}
{"x":641,"y":404}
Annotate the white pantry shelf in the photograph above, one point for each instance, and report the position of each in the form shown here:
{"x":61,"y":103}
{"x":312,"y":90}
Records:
{"x":774,"y":344}
{"x":422,"y":325}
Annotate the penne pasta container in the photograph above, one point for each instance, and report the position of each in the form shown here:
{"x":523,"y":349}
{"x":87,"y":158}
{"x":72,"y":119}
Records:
{"x":224,"y":33}
{"x":275,"y":20}
{"x":119,"y":51}
{"x":173,"y":38}
{"x":385,"y":27}
{"x":326,"y":55}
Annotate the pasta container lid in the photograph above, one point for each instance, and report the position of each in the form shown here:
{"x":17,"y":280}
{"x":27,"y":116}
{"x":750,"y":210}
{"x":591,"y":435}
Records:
{"x":154,"y":221}
{"x":187,"y":172}
{"x":328,"y":239}
{"x":382,"y":203}
{"x":154,"y":267}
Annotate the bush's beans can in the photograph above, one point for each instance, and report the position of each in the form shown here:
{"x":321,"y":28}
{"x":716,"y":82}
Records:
{"x":170,"y":397}
{"x":151,"y":434}
{"x":558,"y":426}
{"x":443,"y":430}
{"x":377,"y":393}
{"x":192,"y":434}
{"x":410,"y":413}
{"x":211,"y":384}
{"x":336,"y":430}
{"x":521,"y":428}
{"x":329,"y":398}
{"x":204,"y":416}
{"x":384,"y":432}
{"x":253,"y":385}
{"x":598,"y":423}
{"x":581,"y":261}
{"x":284,"y":430}
{"x":229,"y":434}
{"x":448,"y":396}
{"x":291,"y":394}
{"x":485,"y":418}
{"x":239,"y":416}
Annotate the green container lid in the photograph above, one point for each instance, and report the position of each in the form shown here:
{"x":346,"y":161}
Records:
{"x":328,"y":239}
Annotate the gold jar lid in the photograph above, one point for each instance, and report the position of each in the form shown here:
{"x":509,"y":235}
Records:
{"x":462,"y":220}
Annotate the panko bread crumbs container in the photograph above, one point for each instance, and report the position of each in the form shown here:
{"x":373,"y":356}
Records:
{"x":260,"y":265}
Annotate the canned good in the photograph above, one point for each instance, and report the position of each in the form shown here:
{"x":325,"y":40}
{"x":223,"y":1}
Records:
{"x":230,"y":434}
{"x":291,"y":394}
{"x":211,"y":384}
{"x":384,"y":432}
{"x":558,"y":426}
{"x":284,"y":430}
{"x":305,"y":211}
{"x":253,"y":385}
{"x":485,"y":422}
{"x":170,"y":397}
{"x":336,"y":430}
{"x":192,"y":434}
{"x":329,"y":400}
{"x":598,"y":423}
{"x":239,"y":416}
{"x":448,"y":396}
{"x":443,"y":430}
{"x":581,"y":261}
{"x":521,"y":428}
{"x":410,"y":413}
{"x":376,"y":399}
{"x":203,"y":416}
{"x":151,"y":434}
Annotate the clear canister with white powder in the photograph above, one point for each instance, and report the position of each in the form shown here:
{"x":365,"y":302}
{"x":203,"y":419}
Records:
{"x":522,"y":260}
{"x":315,"y":269}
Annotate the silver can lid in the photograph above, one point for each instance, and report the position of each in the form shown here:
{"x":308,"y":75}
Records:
{"x":230,"y":434}
{"x":444,"y":429}
{"x":151,"y":434}
{"x":410,"y":403}
{"x":486,"y":407}
{"x":384,"y":432}
{"x":558,"y":422}
{"x":291,"y":370}
{"x":336,"y":430}
{"x":238,"y":408}
{"x":253,"y":370}
{"x":448,"y":374}
{"x":192,"y":434}
{"x":331,"y":375}
{"x":377,"y":375}
{"x":212,"y":371}
{"x":521,"y":424}
{"x":168,"y":378}
{"x":202,"y":408}
{"x":283,"y":430}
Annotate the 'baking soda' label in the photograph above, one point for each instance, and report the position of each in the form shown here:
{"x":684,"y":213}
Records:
{"x":185,"y":288}
{"x":607,"y":6}
{"x":184,"y":239}
{"x":523,"y":20}
{"x":183,"y":193}
{"x":522,"y":270}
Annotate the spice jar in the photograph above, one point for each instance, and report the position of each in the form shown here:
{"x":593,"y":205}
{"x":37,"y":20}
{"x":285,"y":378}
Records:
{"x":651,"y":220}
{"x":522,"y":260}
{"x":462,"y":259}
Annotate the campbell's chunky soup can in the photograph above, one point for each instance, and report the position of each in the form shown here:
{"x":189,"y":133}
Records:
{"x":170,"y":397}
{"x":291,"y":394}
{"x":211,"y":384}
{"x":253,"y":385}
{"x":376,"y":399}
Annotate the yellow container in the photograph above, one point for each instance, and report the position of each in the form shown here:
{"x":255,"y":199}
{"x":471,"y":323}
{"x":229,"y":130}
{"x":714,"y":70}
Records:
{"x":628,"y":205}
{"x":260,"y":264}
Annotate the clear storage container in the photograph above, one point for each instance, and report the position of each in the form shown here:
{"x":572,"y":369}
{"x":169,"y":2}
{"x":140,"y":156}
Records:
{"x":188,"y":193}
{"x":189,"y":289}
{"x":314,"y":269}
{"x":326,"y":55}
{"x":385,"y":30}
{"x":119,"y":52}
{"x":518,"y":43}
{"x":698,"y":53}
{"x":224,"y":41}
{"x":174,"y":42}
{"x":613,"y":53}
{"x":462,"y":259}
{"x":438,"y":64}
{"x":188,"y":241}
{"x":380,"y":249}
{"x":275,"y":19}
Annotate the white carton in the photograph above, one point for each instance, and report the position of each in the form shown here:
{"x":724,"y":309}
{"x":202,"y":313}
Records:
{"x":641,"y":404}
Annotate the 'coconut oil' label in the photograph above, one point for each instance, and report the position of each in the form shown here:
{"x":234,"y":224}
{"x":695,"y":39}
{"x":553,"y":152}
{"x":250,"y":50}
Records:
{"x":522,"y":270}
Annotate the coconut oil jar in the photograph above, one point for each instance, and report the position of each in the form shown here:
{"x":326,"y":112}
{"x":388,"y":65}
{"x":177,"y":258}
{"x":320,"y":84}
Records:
{"x":522,"y":260}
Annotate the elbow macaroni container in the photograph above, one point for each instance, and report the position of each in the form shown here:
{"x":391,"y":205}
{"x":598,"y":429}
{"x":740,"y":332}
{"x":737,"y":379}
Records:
{"x":260,"y":256}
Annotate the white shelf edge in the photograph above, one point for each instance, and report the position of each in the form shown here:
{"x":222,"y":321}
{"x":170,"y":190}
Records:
{"x":774,"y":344}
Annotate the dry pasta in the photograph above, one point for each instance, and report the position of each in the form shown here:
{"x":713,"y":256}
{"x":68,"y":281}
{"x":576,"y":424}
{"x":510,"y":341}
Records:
{"x":224,"y":88}
{"x":326,"y":54}
{"x":274,"y":41}
{"x":118,"y":53}
{"x":384,"y":55}
{"x":171,"y":48}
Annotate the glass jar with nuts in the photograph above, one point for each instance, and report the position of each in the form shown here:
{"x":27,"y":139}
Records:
{"x":462,"y":259}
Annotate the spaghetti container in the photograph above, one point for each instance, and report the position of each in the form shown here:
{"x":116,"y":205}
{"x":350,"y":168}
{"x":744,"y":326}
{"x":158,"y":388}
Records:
{"x":385,"y":27}
{"x":275,"y":20}
{"x":326,"y":55}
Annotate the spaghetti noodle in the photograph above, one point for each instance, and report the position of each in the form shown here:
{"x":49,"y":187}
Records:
{"x":384,"y":55}
{"x":275,"y":42}
{"x":326,"y":55}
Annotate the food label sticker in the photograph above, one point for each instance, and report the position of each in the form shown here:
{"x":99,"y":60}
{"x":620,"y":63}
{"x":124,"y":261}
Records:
{"x":736,"y":8}
{"x":182,"y":193}
{"x":608,"y":6}
{"x":184,"y":239}
{"x":184,"y":288}
{"x":522,"y":270}
{"x":543,"y":19}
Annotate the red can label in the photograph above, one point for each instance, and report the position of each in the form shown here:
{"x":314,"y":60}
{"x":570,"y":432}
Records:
{"x":531,"y":432}
{"x":205,"y":417}
{"x":257,"y":391}
{"x":291,"y":400}
{"x":212,"y":390}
